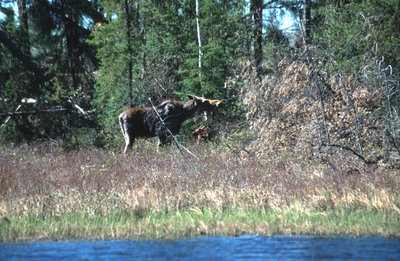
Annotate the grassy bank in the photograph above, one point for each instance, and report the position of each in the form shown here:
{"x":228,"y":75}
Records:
{"x":46,"y":193}
{"x":198,"y":222}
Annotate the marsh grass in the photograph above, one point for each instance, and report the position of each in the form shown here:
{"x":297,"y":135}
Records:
{"x":50,"y":194}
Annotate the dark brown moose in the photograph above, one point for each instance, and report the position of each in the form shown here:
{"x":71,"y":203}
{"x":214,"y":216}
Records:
{"x":144,"y":122}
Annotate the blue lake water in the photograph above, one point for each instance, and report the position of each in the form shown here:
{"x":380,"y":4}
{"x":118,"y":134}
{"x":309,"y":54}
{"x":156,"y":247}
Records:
{"x":211,"y":248}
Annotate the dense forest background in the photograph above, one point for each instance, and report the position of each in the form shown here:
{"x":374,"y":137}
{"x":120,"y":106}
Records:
{"x":327,"y":83}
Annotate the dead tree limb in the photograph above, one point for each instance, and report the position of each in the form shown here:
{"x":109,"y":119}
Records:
{"x":9,"y":117}
{"x":19,"y":113}
{"x":366,"y":161}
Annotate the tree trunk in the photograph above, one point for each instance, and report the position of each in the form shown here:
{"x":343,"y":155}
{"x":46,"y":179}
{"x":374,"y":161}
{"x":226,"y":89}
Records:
{"x":129,"y":49}
{"x":24,"y":41}
{"x":199,"y":39}
{"x":72,"y":42}
{"x":306,"y":23}
{"x":142,"y":25}
{"x":256,"y":8}
{"x":23,"y":21}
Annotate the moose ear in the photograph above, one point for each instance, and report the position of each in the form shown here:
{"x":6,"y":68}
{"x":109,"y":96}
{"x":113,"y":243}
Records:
{"x":192,"y":97}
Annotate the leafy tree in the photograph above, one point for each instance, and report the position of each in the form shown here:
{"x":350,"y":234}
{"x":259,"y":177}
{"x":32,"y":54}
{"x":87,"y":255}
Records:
{"x":354,"y":32}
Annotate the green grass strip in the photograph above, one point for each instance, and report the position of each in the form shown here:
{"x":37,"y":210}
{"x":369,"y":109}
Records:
{"x":192,"y":222}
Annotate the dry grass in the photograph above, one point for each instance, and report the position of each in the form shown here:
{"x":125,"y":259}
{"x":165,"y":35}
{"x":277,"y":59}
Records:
{"x":48,"y":193}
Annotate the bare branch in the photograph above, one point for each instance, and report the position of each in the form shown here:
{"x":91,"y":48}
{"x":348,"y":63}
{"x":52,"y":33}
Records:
{"x":18,"y":113}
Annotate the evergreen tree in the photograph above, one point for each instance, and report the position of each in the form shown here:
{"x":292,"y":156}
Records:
{"x":48,"y":60}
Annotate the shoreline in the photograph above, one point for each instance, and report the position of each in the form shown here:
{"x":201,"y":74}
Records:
{"x":196,"y":222}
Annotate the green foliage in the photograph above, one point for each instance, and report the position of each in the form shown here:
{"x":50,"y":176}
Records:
{"x":223,"y":40}
{"x":359,"y":31}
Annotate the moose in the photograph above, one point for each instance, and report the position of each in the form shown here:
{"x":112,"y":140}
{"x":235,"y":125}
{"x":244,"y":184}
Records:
{"x":202,"y":133}
{"x":145,"y":122}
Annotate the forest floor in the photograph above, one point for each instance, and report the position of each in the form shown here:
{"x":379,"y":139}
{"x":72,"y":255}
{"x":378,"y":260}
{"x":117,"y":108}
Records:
{"x":47,"y":193}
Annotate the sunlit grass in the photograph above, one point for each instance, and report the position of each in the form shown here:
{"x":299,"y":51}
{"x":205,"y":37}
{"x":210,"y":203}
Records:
{"x":196,"y":222}
{"x":50,"y":194}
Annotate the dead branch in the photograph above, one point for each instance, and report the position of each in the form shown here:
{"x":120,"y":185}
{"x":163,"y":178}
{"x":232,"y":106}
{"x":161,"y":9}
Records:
{"x":366,"y":161}
{"x":19,"y":113}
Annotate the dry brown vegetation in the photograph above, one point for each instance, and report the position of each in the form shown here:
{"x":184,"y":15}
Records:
{"x":49,"y":183}
{"x":307,"y":108}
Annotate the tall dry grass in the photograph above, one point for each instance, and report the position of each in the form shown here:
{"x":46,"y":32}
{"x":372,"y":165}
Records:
{"x":47,"y":183}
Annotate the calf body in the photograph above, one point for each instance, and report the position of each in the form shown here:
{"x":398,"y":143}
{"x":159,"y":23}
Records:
{"x":144,"y":122}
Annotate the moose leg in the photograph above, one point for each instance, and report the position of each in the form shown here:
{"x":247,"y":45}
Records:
{"x":129,"y":137}
{"x":162,"y":140}
{"x":125,"y":128}
{"x":162,"y":134}
{"x":128,"y":142}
